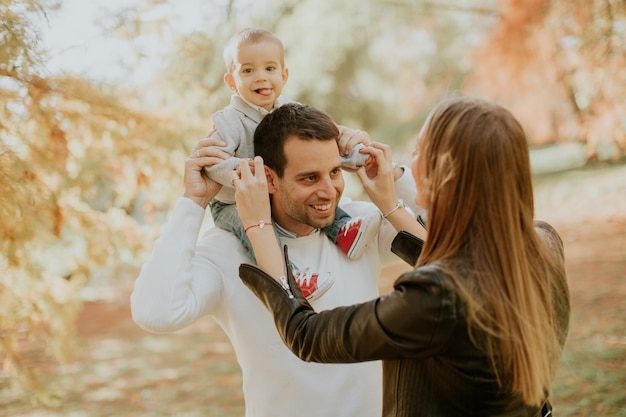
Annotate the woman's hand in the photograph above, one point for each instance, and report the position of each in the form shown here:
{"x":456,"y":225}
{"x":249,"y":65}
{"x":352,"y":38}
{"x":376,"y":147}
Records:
{"x":251,"y":192}
{"x":253,"y":205}
{"x":198,"y":186}
{"x":378,"y":176}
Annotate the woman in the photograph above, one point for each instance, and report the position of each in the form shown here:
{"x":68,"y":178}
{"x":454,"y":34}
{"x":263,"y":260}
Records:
{"x":477,"y":328}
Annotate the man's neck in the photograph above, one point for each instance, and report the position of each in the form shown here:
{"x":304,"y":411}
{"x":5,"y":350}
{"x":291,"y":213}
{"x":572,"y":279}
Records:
{"x":286,"y":233}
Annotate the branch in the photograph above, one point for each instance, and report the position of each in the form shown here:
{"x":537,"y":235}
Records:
{"x":429,"y":6}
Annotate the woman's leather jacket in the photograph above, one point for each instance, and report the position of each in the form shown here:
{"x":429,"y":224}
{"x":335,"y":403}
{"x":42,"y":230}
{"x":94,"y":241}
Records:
{"x":419,"y":331}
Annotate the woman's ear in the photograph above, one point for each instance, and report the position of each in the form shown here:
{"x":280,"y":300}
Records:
{"x":271,"y":178}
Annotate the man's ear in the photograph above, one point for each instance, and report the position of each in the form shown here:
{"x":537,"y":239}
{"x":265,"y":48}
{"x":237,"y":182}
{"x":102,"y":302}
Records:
{"x":272,"y":180}
{"x":230,"y":81}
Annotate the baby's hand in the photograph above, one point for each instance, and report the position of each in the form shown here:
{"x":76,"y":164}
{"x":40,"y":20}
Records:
{"x":355,"y":158}
{"x":349,"y":138}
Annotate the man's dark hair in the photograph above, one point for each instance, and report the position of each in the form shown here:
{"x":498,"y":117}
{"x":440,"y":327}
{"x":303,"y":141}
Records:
{"x":302,"y":121}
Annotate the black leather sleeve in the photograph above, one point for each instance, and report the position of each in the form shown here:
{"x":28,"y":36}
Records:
{"x":416,"y":319}
{"x":407,"y":247}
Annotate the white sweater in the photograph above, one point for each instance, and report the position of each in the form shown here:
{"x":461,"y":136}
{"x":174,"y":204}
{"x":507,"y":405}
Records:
{"x":184,"y":280}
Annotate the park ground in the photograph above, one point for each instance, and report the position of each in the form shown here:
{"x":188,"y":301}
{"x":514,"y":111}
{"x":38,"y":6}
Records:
{"x":120,"y":370}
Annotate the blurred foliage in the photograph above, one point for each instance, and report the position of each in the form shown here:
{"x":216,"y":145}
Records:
{"x":559,"y":66}
{"x":76,"y":161}
{"x":380,"y":65}
{"x":88,"y":170}
{"x":376,"y":65}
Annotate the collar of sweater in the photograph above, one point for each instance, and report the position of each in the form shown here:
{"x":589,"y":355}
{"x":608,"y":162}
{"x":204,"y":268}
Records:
{"x":260,"y":109}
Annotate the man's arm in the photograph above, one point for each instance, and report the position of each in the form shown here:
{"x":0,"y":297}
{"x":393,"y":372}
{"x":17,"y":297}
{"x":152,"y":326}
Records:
{"x":177,"y":284}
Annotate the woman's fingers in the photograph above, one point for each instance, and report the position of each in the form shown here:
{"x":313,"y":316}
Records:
{"x":250,"y":171}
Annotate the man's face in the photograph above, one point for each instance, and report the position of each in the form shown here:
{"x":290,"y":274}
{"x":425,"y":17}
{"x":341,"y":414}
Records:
{"x":307,"y":195}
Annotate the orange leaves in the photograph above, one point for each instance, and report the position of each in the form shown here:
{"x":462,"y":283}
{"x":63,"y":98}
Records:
{"x":558,"y":66}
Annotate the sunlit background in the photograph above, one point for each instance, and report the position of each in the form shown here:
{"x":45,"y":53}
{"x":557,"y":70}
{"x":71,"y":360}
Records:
{"x":78,"y":41}
{"x":102,"y":100}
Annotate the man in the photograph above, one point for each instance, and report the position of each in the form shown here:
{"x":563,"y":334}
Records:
{"x":185,"y":278}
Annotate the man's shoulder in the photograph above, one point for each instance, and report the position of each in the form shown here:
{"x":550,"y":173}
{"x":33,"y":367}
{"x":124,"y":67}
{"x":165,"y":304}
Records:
{"x":222,"y":246}
{"x":215,"y":234}
{"x":356,"y":207}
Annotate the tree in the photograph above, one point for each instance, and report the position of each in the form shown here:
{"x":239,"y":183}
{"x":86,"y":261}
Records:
{"x":374,"y":65}
{"x":559,"y":66}
{"x":379,"y":65}
{"x":77,"y":162}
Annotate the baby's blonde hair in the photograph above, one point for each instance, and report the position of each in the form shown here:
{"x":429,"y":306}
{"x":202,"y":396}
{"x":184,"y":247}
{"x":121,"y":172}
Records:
{"x":249,"y":36}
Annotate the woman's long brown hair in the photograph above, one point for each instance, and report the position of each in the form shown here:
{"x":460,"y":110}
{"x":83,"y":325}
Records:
{"x":481,"y":230}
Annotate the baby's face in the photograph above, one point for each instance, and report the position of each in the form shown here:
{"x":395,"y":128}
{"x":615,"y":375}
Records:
{"x":259,"y":73}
